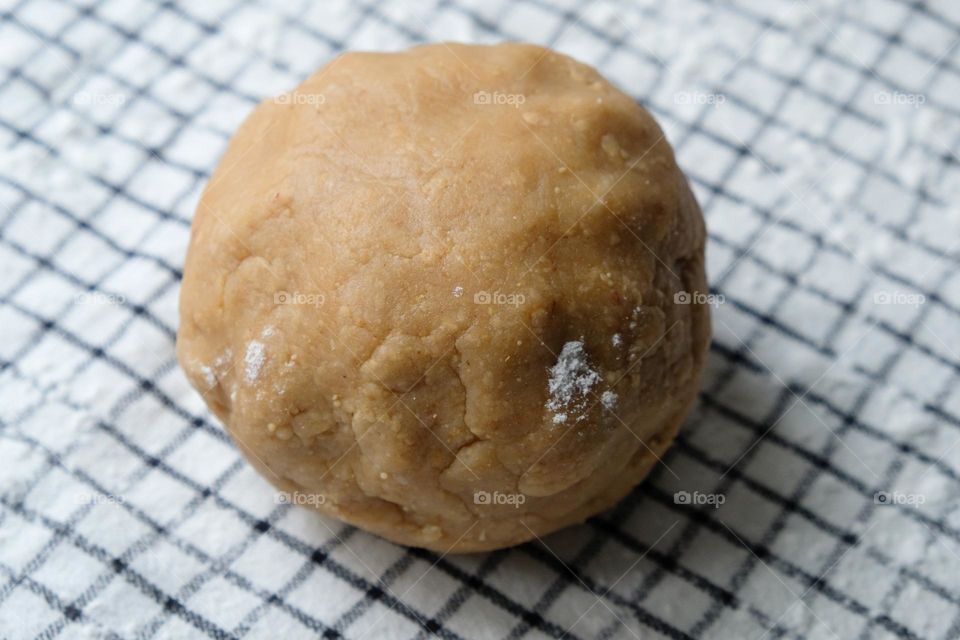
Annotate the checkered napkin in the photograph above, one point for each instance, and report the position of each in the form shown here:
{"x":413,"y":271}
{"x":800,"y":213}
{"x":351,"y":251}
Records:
{"x":813,"y":493}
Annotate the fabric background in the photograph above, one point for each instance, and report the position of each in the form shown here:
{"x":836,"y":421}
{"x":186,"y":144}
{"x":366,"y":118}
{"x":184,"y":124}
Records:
{"x":821,"y":140}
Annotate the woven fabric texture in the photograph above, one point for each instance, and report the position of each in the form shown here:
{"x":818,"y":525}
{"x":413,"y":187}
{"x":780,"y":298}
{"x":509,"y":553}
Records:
{"x":813,"y":493}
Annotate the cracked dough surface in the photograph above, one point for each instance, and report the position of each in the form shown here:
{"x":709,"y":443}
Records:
{"x":385,"y":269}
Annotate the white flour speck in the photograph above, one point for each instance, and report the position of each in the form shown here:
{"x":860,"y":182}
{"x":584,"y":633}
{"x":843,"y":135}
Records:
{"x":253,"y":360}
{"x":617,"y":340}
{"x":223,"y":359}
{"x":609,"y":400}
{"x":571,"y":380}
{"x":209,"y":377}
{"x":216,"y":371}
{"x":457,"y":292}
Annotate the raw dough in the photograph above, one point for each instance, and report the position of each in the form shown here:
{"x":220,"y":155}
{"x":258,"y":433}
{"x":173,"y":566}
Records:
{"x":434,"y":293}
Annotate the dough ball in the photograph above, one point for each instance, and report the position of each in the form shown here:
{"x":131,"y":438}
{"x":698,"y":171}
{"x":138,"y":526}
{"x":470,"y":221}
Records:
{"x":434,"y":293}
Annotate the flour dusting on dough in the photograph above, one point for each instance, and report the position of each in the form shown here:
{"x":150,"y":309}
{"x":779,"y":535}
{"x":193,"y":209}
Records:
{"x":253,"y":360}
{"x":609,"y":399}
{"x":214,"y":372}
{"x":209,"y":377}
{"x":571,"y":381}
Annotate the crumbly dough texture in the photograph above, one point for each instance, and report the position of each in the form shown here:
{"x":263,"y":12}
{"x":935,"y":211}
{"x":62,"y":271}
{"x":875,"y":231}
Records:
{"x":387,"y":271}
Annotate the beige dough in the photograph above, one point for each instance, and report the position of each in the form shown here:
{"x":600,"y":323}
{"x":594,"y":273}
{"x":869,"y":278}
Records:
{"x":434,"y":293}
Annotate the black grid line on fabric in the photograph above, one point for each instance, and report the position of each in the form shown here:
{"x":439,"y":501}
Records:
{"x":845,"y":539}
{"x":44,"y":263}
{"x":844,"y":535}
{"x":459,"y":597}
{"x":891,"y":41}
{"x":776,"y":526}
{"x":70,"y":613}
{"x":814,"y":458}
{"x":666,"y":563}
{"x":812,"y":581}
{"x":120,"y":568}
{"x":896,"y":464}
{"x":203,"y":493}
{"x":135,"y":93}
{"x":119,"y":189}
{"x":691,"y":530}
{"x":857,"y":66}
{"x":51,"y":327}
{"x":71,"y":522}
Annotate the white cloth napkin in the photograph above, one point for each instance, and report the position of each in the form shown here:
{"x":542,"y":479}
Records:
{"x":812,"y":494}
